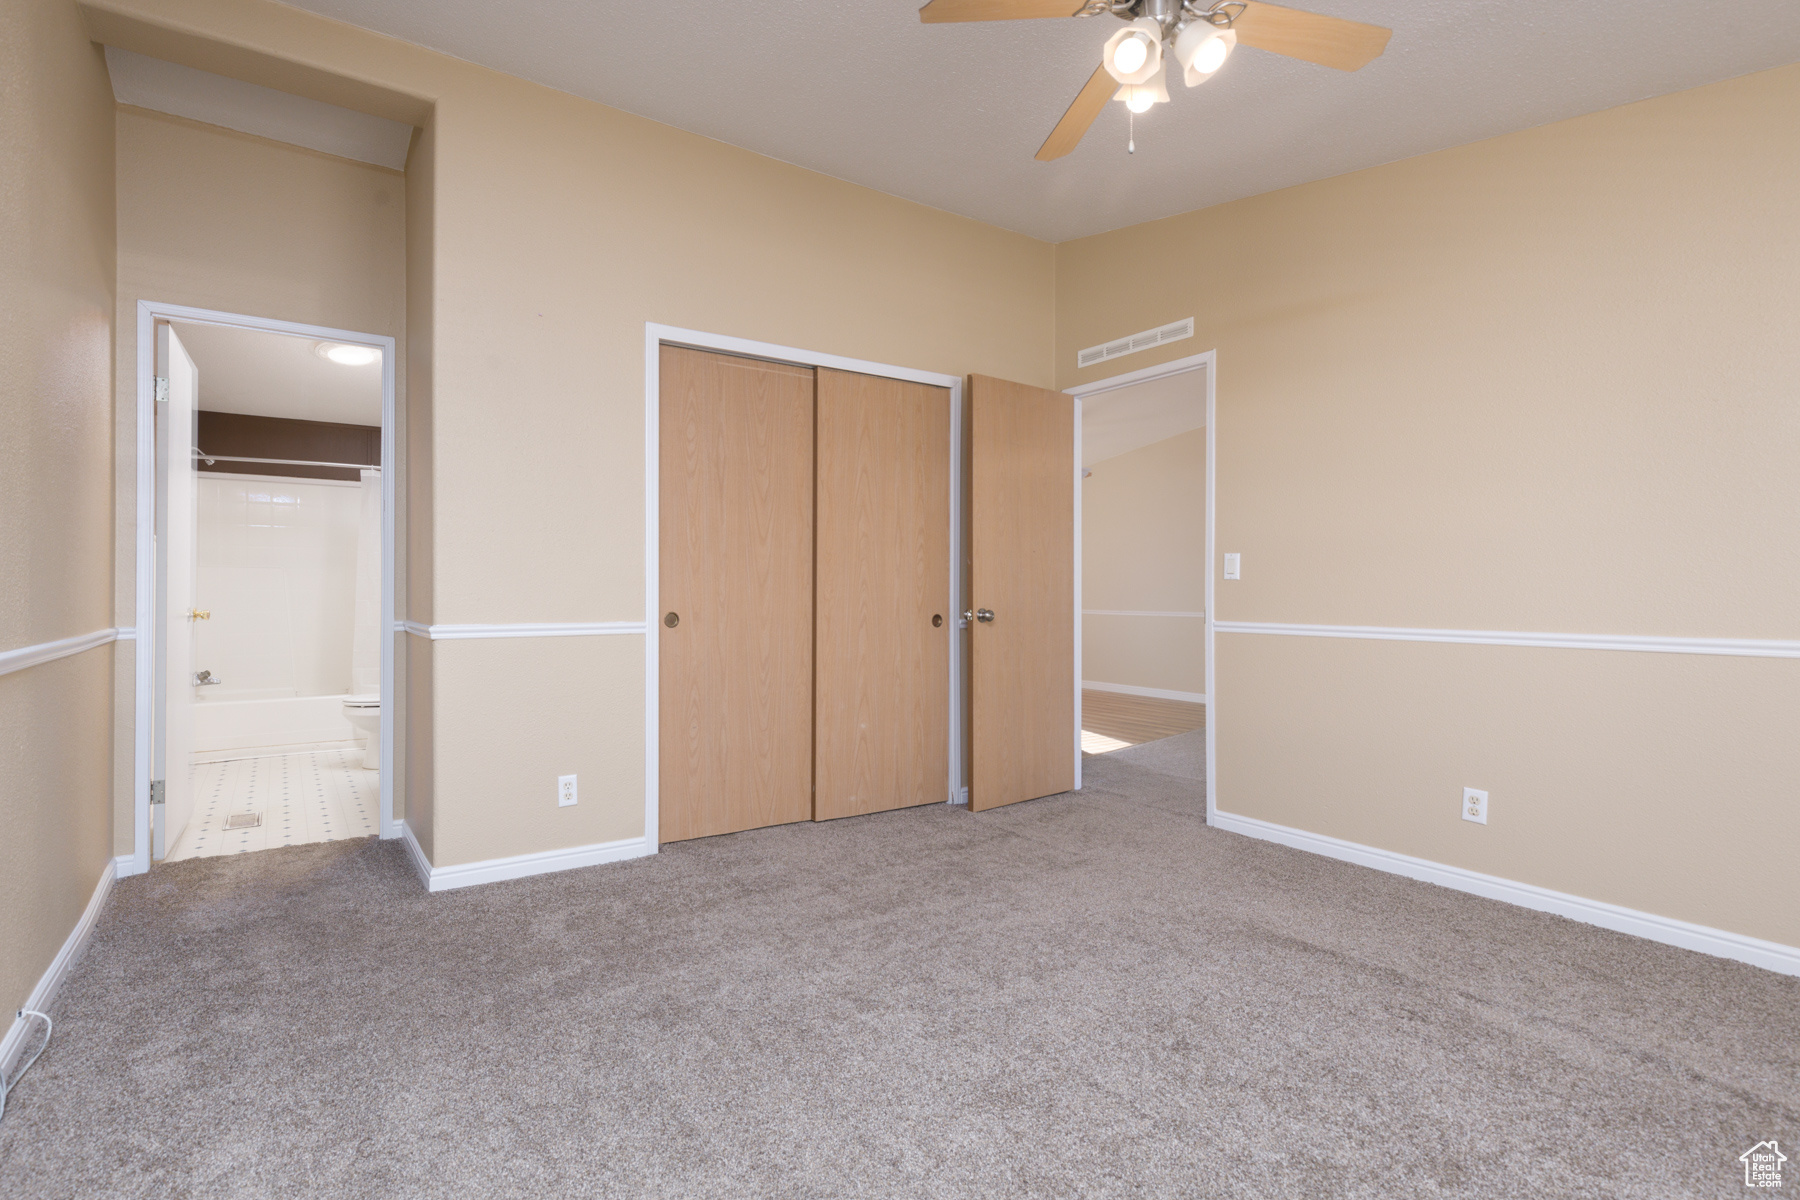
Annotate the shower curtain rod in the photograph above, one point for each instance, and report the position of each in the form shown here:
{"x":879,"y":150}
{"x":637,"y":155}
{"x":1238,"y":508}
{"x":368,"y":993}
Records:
{"x":210,"y":459}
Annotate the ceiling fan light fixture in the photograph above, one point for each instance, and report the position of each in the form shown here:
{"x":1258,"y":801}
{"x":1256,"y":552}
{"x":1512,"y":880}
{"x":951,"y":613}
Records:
{"x":1134,"y":53}
{"x":1202,"y":49}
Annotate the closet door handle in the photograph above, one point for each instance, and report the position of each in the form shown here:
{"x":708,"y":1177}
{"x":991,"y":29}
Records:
{"x":672,"y":619}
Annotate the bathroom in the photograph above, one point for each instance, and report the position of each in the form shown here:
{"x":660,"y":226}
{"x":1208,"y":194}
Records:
{"x":282,"y":666}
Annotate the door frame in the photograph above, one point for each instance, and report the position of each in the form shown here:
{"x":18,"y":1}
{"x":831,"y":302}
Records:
{"x":1180,"y":366}
{"x":149,"y":312}
{"x":655,"y":338}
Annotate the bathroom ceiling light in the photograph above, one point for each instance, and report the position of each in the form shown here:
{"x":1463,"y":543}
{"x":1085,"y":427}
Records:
{"x":349,"y":356}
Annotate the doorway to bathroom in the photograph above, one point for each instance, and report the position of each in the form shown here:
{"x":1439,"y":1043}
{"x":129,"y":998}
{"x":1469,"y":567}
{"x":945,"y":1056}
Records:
{"x":265,"y":708}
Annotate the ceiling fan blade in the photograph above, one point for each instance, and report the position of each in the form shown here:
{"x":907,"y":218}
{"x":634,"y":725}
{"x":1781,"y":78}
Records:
{"x":996,"y":10}
{"x":1074,"y":124}
{"x":1313,"y":37}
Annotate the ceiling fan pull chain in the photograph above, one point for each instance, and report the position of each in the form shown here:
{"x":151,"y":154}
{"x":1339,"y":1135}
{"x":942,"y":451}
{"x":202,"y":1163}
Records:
{"x":1130,"y":132}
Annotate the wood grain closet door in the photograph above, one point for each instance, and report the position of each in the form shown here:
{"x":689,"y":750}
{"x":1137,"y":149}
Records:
{"x":883,"y":666}
{"x":736,"y":577}
{"x":1022,"y":572}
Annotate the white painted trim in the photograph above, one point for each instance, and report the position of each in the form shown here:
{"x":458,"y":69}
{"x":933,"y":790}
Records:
{"x":127,"y":635}
{"x":148,"y":313}
{"x":458,"y":633}
{"x":670,"y":335}
{"x":44,"y":994}
{"x":1125,"y":612}
{"x":657,"y":336}
{"x":1127,"y":689}
{"x":520,"y":866}
{"x":415,"y":853}
{"x":43,"y":652}
{"x":1740,"y":647}
{"x":1209,"y":361}
{"x":1771,"y":956}
{"x":1080,"y":476}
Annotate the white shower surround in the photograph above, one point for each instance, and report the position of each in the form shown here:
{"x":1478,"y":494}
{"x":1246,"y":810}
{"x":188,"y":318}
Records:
{"x":282,"y":570}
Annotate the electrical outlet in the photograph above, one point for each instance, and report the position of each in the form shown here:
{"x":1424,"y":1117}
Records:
{"x":1474,"y":806}
{"x":565,"y":790}
{"x":1231,"y":566}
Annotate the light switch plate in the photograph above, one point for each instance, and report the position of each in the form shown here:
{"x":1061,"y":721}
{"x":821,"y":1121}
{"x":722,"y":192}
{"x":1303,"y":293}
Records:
{"x":1475,"y":806}
{"x":565,"y":790}
{"x":1231,"y":566}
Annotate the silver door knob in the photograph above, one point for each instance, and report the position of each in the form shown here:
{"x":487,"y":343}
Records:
{"x":984,"y":615}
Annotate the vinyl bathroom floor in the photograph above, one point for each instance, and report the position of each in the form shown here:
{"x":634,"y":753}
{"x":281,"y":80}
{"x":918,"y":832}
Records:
{"x":311,"y":796}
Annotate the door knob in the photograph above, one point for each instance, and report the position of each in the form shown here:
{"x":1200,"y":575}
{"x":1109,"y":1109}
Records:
{"x":199,"y":614}
{"x":984,"y":615}
{"x":672,"y":620}
{"x":937,"y":619}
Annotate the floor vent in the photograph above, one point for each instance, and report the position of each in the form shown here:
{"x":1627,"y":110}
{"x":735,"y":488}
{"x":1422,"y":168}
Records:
{"x":243,"y":821}
{"x":1136,"y":342}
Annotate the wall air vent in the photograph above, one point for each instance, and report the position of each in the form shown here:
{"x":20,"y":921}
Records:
{"x":1136,"y":342}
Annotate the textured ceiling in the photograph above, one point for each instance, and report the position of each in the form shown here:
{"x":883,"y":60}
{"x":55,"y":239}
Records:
{"x":278,"y":375}
{"x":950,"y":115}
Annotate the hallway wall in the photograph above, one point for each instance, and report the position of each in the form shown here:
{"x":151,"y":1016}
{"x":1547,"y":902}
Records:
{"x":56,"y":486}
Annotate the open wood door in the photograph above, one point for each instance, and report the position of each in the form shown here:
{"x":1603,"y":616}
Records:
{"x":1022,"y":738}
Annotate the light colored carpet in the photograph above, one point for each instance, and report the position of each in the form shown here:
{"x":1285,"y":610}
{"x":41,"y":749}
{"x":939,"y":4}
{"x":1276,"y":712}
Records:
{"x":1090,"y":995}
{"x":1183,"y":756}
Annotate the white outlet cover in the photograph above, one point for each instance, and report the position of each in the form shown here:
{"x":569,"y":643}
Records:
{"x":565,"y":790}
{"x":1475,"y":805}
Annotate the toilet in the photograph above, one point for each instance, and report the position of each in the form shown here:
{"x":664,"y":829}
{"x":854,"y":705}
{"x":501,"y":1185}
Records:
{"x":364,"y":712}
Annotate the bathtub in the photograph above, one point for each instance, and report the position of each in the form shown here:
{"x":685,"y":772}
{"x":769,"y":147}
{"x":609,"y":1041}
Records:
{"x":275,"y":726}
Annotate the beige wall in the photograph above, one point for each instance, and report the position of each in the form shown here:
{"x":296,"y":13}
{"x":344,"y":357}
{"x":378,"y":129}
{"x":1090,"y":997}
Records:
{"x":1543,"y":382}
{"x":1143,"y":549}
{"x":412,"y":655}
{"x":558,"y":228}
{"x":215,"y":219}
{"x":56,"y":297}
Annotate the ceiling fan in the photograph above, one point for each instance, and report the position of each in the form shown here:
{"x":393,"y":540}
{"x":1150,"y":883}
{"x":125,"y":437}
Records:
{"x":1198,"y":34}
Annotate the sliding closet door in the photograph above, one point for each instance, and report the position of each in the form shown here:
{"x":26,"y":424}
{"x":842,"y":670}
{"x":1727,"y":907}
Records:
{"x":1022,"y":584}
{"x":884,"y":616}
{"x":736,"y":636}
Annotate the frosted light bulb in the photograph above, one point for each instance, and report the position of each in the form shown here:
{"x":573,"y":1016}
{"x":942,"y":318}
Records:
{"x":1140,"y":99}
{"x":1130,"y":55}
{"x":1211,"y":56}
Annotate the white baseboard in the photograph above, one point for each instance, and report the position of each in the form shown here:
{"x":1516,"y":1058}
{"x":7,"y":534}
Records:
{"x":494,"y":870}
{"x":45,"y":992}
{"x":1126,"y":689}
{"x":1771,"y":956}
